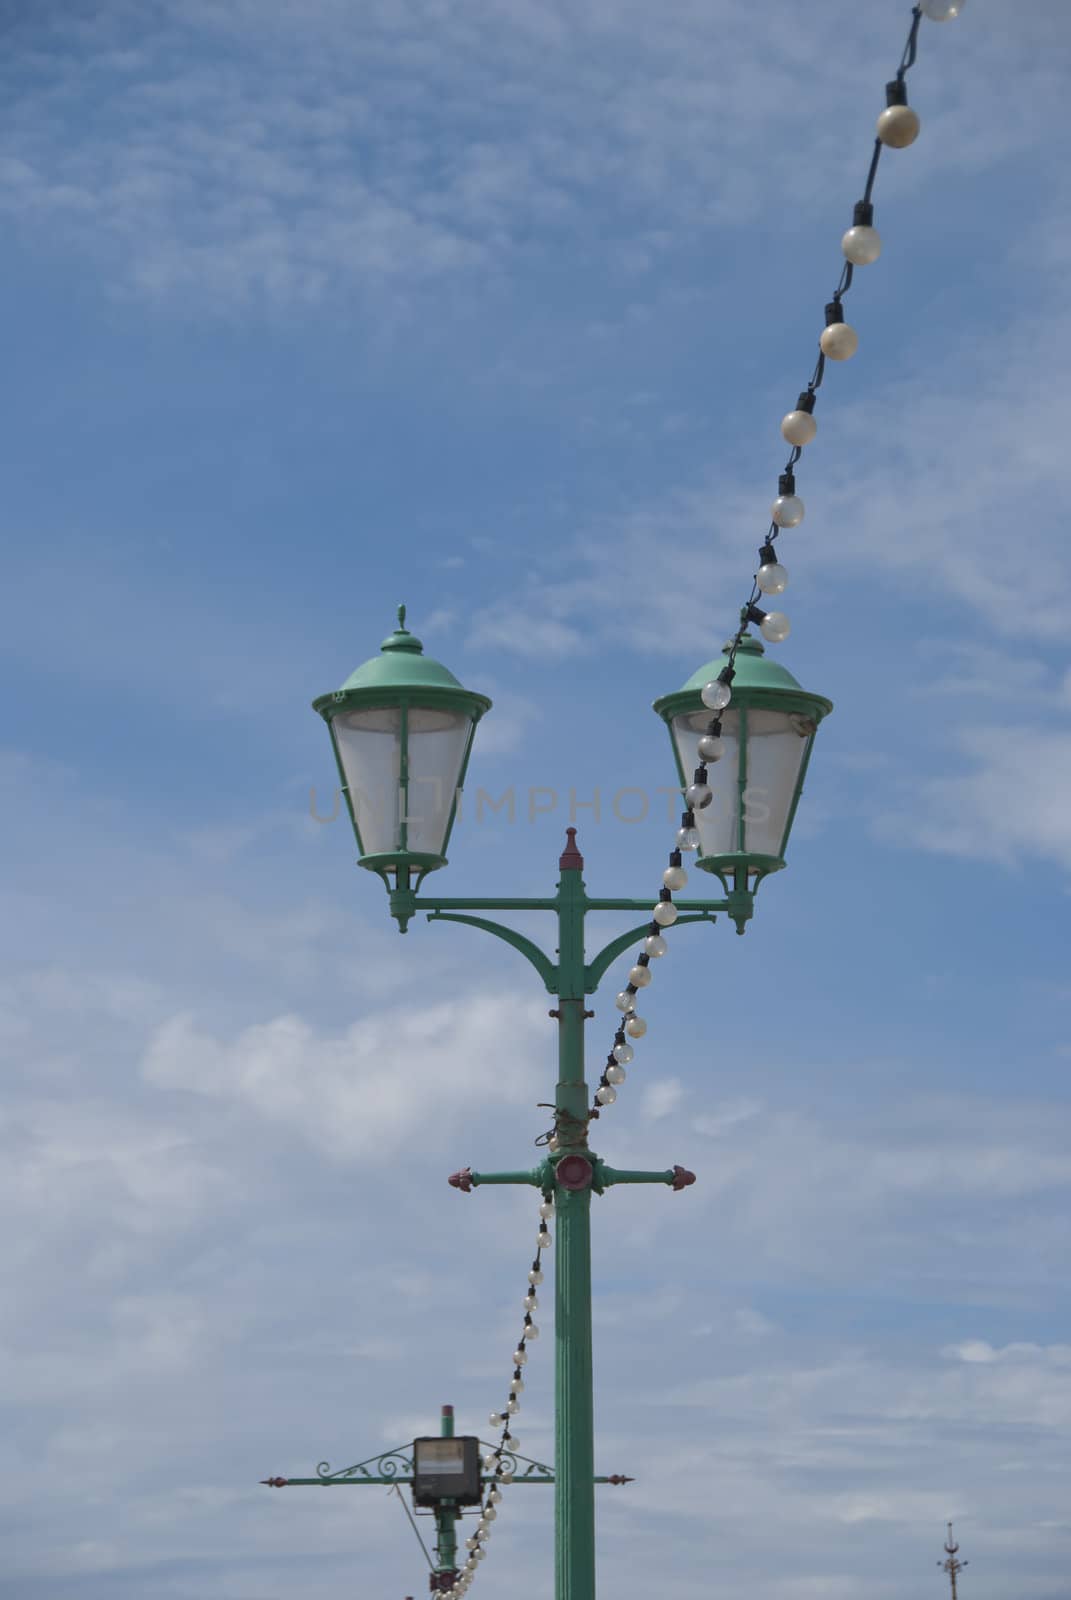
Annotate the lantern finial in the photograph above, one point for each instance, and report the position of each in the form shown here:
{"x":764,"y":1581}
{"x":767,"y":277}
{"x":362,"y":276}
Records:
{"x":401,"y":616}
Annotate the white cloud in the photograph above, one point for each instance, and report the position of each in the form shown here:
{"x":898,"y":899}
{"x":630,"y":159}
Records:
{"x":394,"y":1076}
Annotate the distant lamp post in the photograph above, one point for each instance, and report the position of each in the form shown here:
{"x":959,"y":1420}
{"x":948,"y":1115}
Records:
{"x":401,"y":727}
{"x":951,"y":1565}
{"x":445,"y":1473}
{"x":756,"y":751}
{"x":403,"y":721}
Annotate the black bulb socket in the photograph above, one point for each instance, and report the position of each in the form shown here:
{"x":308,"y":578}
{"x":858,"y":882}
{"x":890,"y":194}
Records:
{"x":863,"y":214}
{"x":727,"y":674}
{"x":674,"y":858}
{"x":806,"y":401}
{"x":834,"y":313}
{"x":619,"y":1037}
{"x":896,"y":93}
{"x":687,"y":820}
{"x":714,"y":727}
{"x":700,"y":774}
{"x":755,"y":614}
{"x":630,"y":988}
{"x":643,"y":960}
{"x":652,"y":929}
{"x":767,"y":555}
{"x":786,"y":483}
{"x":667,"y":894}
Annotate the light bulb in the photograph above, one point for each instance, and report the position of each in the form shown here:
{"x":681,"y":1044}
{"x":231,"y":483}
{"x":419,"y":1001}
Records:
{"x":496,"y":1419}
{"x":623,"y":1053}
{"x":554,"y":1144}
{"x":520,"y":1356}
{"x":606,"y":1095}
{"x":787,"y":511}
{"x":771,"y":579}
{"x":711,"y":747}
{"x":775,"y":626}
{"x":861,"y":246}
{"x":898,"y":126}
{"x":798,"y":428}
{"x":635,"y":1027}
{"x":531,"y":1331}
{"x":546,"y":1210}
{"x":673,"y":878}
{"x":511,"y":1442}
{"x":626,"y":1001}
{"x":470,"y":1543}
{"x":654,"y":945}
{"x":512,"y":1407}
{"x":490,"y":1514}
{"x":495,"y":1496}
{"x":715,"y":695}
{"x":516,"y":1386}
{"x":664,"y":912}
{"x":616,"y":1075}
{"x":535,"y":1276}
{"x":530,"y":1301}
{"x":640,"y":976}
{"x":698,"y":796}
{"x":506,"y":1474}
{"x":839,"y":341}
{"x":544,"y":1240}
{"x":687,"y":838}
{"x":942,"y":10}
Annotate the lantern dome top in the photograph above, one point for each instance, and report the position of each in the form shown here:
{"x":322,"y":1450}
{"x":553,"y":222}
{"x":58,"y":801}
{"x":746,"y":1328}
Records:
{"x":752,"y":669}
{"x":401,"y":664}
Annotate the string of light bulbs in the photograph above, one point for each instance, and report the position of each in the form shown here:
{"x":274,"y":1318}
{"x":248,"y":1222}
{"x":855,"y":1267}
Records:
{"x":897,"y":127}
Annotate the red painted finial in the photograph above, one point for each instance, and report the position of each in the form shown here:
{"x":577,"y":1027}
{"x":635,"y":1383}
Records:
{"x":570,"y":858}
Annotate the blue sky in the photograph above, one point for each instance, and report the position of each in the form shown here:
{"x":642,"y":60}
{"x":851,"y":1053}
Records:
{"x":493,"y":307}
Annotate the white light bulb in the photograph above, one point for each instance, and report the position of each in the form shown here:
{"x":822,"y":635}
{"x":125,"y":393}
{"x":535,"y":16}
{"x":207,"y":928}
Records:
{"x":673,"y":878}
{"x":496,"y":1419}
{"x":470,"y":1544}
{"x":535,"y":1276}
{"x":775,"y":626}
{"x":715,"y":695}
{"x":543,"y":1240}
{"x":625,"y":1001}
{"x":530,"y":1301}
{"x":546,"y":1210}
{"x":635,"y":1027}
{"x":640,"y":976}
{"x":520,"y":1356}
{"x":490,"y":1514}
{"x":711,"y":747}
{"x":771,"y":579}
{"x":942,"y":10}
{"x":664,"y":912}
{"x":698,"y":796}
{"x":511,"y":1442}
{"x":490,"y":1462}
{"x":798,"y":428}
{"x":516,"y":1386}
{"x":495,"y":1496}
{"x":839,"y":341}
{"x":623,"y":1054}
{"x":513,"y":1406}
{"x":506,"y":1475}
{"x":654,"y":945}
{"x":687,"y":838}
{"x":861,"y":246}
{"x":898,"y":126}
{"x":606,"y":1095}
{"x":483,"y":1528}
{"x":531,"y":1330}
{"x":616,"y":1075}
{"x":787,"y":511}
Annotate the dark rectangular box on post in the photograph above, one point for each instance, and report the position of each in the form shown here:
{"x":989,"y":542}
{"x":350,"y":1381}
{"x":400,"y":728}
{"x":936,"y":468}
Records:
{"x":446,"y":1469}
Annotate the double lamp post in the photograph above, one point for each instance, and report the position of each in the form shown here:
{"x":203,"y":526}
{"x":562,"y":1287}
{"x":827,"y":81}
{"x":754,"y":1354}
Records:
{"x":402,"y":729}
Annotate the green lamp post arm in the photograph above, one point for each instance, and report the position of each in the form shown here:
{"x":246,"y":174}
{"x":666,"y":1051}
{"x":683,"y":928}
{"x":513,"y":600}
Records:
{"x":596,"y":968}
{"x":530,"y":950}
{"x":675,"y":1177}
{"x":466,"y":1179}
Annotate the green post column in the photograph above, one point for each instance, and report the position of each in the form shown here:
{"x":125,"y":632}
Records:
{"x":574,"y":1425}
{"x":445,"y":1514}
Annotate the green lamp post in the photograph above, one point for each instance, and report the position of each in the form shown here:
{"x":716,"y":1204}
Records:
{"x":764,"y":734}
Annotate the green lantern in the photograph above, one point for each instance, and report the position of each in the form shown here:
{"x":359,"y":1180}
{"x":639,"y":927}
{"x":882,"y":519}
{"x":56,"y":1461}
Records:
{"x":402,"y":729}
{"x":767,"y":733}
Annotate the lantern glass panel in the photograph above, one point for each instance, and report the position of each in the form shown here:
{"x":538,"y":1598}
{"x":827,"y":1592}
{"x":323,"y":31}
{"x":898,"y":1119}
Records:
{"x":369,"y":746}
{"x":775,"y":745}
{"x":438,"y":740}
